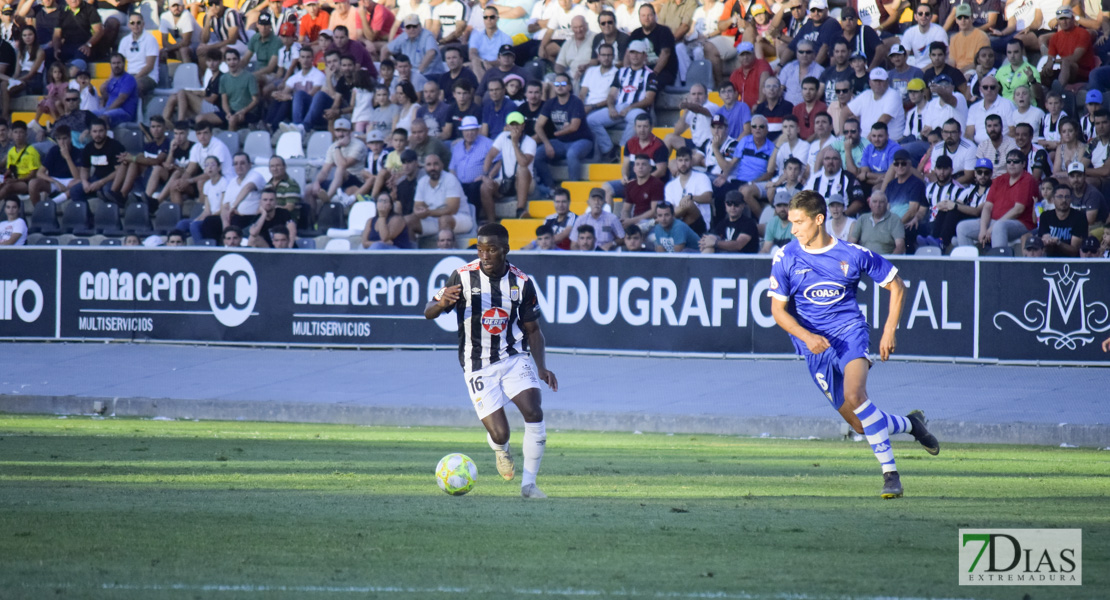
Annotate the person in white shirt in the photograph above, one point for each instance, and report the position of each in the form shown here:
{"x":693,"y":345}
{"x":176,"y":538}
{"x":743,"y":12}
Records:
{"x":956,"y":147}
{"x":183,"y":27}
{"x":594,"y":87}
{"x":689,"y":189}
{"x":508,"y":166}
{"x":240,"y":203}
{"x":822,"y":137}
{"x":880,"y":104}
{"x":1024,"y":111}
{"x":13,"y":229}
{"x":916,"y":39}
{"x":839,"y":224}
{"x":205,"y":146}
{"x":696,"y":115}
{"x":945,"y":105}
{"x":789,"y":145}
{"x":574,"y":56}
{"x":440,"y":202}
{"x":448,"y":21}
{"x":141,"y":52}
{"x":991,"y":104}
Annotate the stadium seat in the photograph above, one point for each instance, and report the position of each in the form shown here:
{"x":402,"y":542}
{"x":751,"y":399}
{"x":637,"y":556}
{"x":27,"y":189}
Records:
{"x":318,"y":144}
{"x":928,"y":251}
{"x":166,"y":217}
{"x":207,"y":242}
{"x":290,"y":145}
{"x":535,"y":70}
{"x":306,"y":243}
{"x":521,"y":231}
{"x":76,"y":217}
{"x":78,"y":242}
{"x":195,"y":210}
{"x":106,"y":219}
{"x":338,"y":245}
{"x":136,"y":218}
{"x":700,"y":71}
{"x":604,"y":172}
{"x":100,"y":70}
{"x":361,"y":212}
{"x":47,"y":241}
{"x":1002,"y":251}
{"x":965,"y":252}
{"x":187,"y":76}
{"x":154,"y":107}
{"x":297,"y":174}
{"x":259,"y":148}
{"x":331,"y":216}
{"x":230,"y":139}
{"x":132,"y":139}
{"x":44,"y":219}
{"x":263,"y":171}
{"x":111,"y":242}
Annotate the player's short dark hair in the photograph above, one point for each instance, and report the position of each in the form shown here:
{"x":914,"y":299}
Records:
{"x":665,"y":206}
{"x":19,"y":125}
{"x":793,"y":119}
{"x":213,"y":54}
{"x":62,"y":131}
{"x":840,"y":42}
{"x":1060,"y":185}
{"x":1102,"y":112}
{"x":343,"y":27}
{"x":389,"y":63}
{"x":533,"y":83}
{"x":641,"y":157}
{"x":401,"y":58}
{"x":451,"y":49}
{"x":954,"y":122}
{"x":158,"y":119}
{"x":545,"y":229}
{"x":726,"y":84}
{"x":234,"y":228}
{"x":202,"y":126}
{"x":181,"y":125}
{"x":97,"y":121}
{"x":494,"y":230}
{"x":822,"y":114}
{"x":993,"y":117}
{"x":228,"y":51}
{"x":643,"y":117}
{"x":268,"y":190}
{"x":278,"y":230}
{"x":809,"y":202}
{"x":463,"y":85}
{"x":1025,"y":125}
{"x":851,"y":120}
{"x":793,"y":160}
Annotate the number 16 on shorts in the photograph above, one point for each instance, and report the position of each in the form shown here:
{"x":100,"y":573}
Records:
{"x":496,"y":385}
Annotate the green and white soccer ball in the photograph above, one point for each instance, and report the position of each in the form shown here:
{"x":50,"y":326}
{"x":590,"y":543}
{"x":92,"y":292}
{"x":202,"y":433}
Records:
{"x":456,"y":474}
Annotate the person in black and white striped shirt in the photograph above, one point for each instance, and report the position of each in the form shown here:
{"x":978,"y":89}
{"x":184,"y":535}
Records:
{"x":942,"y":196}
{"x":971,"y":199}
{"x":501,"y":349}
{"x":833,"y":179}
{"x":222,"y":28}
{"x":631,"y":94}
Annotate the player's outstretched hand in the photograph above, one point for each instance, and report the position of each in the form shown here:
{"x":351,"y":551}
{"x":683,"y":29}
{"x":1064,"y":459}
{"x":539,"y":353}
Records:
{"x":450,"y":296}
{"x":886,"y":345}
{"x":817,"y":344}
{"x":549,"y":378}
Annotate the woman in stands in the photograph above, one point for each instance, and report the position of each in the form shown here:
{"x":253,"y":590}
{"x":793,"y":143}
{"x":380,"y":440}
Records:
{"x":405,"y":98}
{"x":29,"y":59}
{"x":383,"y":113}
{"x":210,"y":222}
{"x":1070,"y":149}
{"x":386,"y":230}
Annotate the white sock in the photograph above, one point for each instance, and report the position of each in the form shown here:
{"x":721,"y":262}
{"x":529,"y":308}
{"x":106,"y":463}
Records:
{"x":535,"y":439}
{"x":495,"y":445}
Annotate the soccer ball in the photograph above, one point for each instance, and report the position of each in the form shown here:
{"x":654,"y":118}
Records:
{"x":456,"y":474}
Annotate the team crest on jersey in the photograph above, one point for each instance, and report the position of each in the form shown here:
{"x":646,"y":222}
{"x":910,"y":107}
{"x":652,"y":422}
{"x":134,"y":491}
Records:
{"x":514,"y":293}
{"x":844,"y":267}
{"x":774,"y":283}
{"x":495,"y":320}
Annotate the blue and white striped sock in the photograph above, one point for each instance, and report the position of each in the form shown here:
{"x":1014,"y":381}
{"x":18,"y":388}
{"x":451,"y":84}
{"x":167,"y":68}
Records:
{"x":874,"y":423}
{"x":896,"y":424}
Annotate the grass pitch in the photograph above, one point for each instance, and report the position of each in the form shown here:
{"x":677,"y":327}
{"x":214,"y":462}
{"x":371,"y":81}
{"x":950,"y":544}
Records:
{"x":119,"y":508}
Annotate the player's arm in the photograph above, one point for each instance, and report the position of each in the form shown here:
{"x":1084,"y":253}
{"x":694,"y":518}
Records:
{"x":536,"y":347}
{"x":897,"y":289}
{"x":445,"y":299}
{"x":816,"y":343}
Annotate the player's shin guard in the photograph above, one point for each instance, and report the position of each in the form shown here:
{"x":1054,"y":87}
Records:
{"x":875,"y":428}
{"x":535,"y":439}
{"x":495,"y":446}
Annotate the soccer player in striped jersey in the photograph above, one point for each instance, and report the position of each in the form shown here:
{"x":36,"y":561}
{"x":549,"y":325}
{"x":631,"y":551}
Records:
{"x":820,"y":274}
{"x":501,"y":349}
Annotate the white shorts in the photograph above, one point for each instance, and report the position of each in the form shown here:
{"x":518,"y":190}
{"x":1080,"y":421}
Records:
{"x":495,"y":386}
{"x":430,"y":225}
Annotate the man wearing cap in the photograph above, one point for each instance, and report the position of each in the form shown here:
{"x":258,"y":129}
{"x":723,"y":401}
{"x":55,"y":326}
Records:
{"x":140,"y":51}
{"x":913,"y":134}
{"x":968,"y":205}
{"x":263,"y":50}
{"x":344,"y":157}
{"x":631,"y":93}
{"x":608,"y":230}
{"x":736,"y":232}
{"x":905,"y":193}
{"x":179,"y":24}
{"x":1087,"y":200}
{"x":507,"y":168}
{"x":946,"y":104}
{"x":287,"y":55}
{"x":902,"y":73}
{"x":1033,"y":248}
{"x":467,"y":155}
{"x":1071,"y":51}
{"x":419,"y":45}
{"x":881,"y":104}
{"x":506,"y":65}
{"x":777,"y":231}
{"x":1090,"y":248}
{"x":486,"y":45}
{"x":750,"y":75}
{"x":1087,"y":121}
{"x":659,"y":43}
{"x":313,"y":21}
{"x":838,"y":70}
{"x":1062,"y":230}
{"x":571,"y":140}
{"x":819,"y":30}
{"x":222,"y":28}
{"x":918,"y":38}
{"x":967,"y":40}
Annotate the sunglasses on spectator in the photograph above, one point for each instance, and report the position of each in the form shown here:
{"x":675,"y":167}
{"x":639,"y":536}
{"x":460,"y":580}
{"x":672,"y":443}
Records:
{"x":983,"y":172}
{"x":411,"y":26}
{"x":851,"y":131}
{"x":136,"y":22}
{"x":842,"y":90}
{"x":603,"y":23}
{"x":1013,"y":161}
{"x":924,"y":14}
{"x":805,"y":51}
{"x":815,"y":10}
{"x":962,"y":17}
{"x":490,"y":17}
{"x":560,"y":84}
{"x":988,"y":87}
{"x":732,"y":203}
{"x":72,"y":99}
{"x":901,"y":163}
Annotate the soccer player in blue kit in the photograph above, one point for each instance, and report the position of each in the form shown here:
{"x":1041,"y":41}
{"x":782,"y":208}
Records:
{"x":820,"y":274}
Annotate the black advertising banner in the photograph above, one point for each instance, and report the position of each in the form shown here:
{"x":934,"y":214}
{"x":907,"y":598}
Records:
{"x":1058,"y":311}
{"x":28,"y":294}
{"x":1028,"y":310}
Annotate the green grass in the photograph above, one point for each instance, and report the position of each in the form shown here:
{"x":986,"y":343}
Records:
{"x":119,"y":508}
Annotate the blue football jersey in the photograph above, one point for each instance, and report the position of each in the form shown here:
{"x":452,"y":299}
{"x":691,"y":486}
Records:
{"x":823,"y":285}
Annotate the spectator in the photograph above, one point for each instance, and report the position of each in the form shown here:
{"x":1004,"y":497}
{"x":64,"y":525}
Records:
{"x":423,"y":144}
{"x":755,"y":166}
{"x":1098,"y":151}
{"x":574,"y":56}
{"x":464,"y":107}
{"x":445,"y":240}
{"x":328,"y":102}
{"x":696,"y":112}
{"x":27,"y":71}
{"x":819,"y":30}
{"x":594,"y":92}
{"x":141,"y":53}
{"x":45,"y":16}
{"x":433,"y":106}
{"x":1087,"y":200}
{"x":901,"y":72}
{"x":861,"y":77}
{"x":495,"y":109}
{"x":905,"y":194}
{"x":298,"y":89}
{"x":736,"y":113}
{"x":5,"y":142}
{"x":789,"y":180}
{"x":405,"y":99}
{"x":287,"y":192}
{"x":23,"y":163}
{"x":505,"y":66}
{"x":838,"y":70}
{"x":269,"y":219}
{"x":563,"y":221}
{"x":239,"y":97}
{"x":80,"y":36}
{"x":822,"y":138}
{"x":453,"y":59}
{"x":796,"y":71}
{"x":610,"y":36}
{"x":991,"y":104}
{"x":778,"y":230}
{"x":232,"y":236}
{"x":1008,"y":210}
{"x":641,"y":194}
{"x":119,"y":95}
{"x":862,"y":38}
{"x":182,"y":26}
{"x":1016,"y":71}
{"x":222,"y":28}
{"x":880,"y":104}
{"x":377,"y":171}
{"x":1090,"y":248}
{"x":660,"y":41}
{"x":750,"y":77}
{"x":833,"y":179}
{"x":379,"y":24}
{"x":419,"y":45}
{"x":545,"y":240}
{"x":59,"y":171}
{"x":132,"y":239}
{"x":838,"y":224}
{"x":386,"y":230}
{"x":587,"y":239}
{"x":810,"y":106}
{"x":917,"y":39}
{"x":737,"y":232}
{"x":485,"y":46}
{"x":633,"y":239}
{"x":467,"y":156}
{"x":997,"y":145}
{"x":1039,"y":165}
{"x":773,"y":108}
{"x":913,"y":137}
{"x":199,"y":102}
{"x":209,"y":223}
{"x":403,"y":184}
{"x":690,"y":193}
{"x":959,"y":149}
{"x":101,"y":170}
{"x":343,"y":157}
{"x":881,"y":232}
{"x":173,"y":168}
{"x":877,"y":156}
{"x":347,"y":43}
{"x":1024,"y":111}
{"x":312,"y":22}
{"x":791,"y":145}
{"x":571,"y":140}
{"x":945,"y":104}
{"x":175,"y":238}
{"x":671,"y":234}
{"x":448,"y":22}
{"x":1087,"y":121}
{"x":1064,"y":229}
{"x":1069,"y":149}
{"x":941,"y":198}
{"x":967,"y":41}
{"x":631,"y":94}
{"x":439,"y":201}
{"x":241,"y":196}
{"x":156,"y":149}
{"x":1071,"y":50}
{"x":516,"y":151}
{"x":606,"y":227}
{"x":1033,"y":248}
{"x":644,"y":142}
{"x":263,"y":50}
{"x":850,"y":143}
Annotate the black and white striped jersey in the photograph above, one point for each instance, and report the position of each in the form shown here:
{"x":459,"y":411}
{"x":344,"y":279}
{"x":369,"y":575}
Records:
{"x":229,"y":20}
{"x":633,"y":85}
{"x":841,"y":182}
{"x":490,"y":313}
{"x":973,"y":196}
{"x":936,"y":193}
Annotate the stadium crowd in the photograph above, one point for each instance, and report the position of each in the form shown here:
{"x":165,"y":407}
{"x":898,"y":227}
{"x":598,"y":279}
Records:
{"x":926,"y":125}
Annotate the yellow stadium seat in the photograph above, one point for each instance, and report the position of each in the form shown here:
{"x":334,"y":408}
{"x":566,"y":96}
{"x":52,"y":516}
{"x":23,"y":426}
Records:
{"x":540,"y":209}
{"x":521,"y":231}
{"x":579,"y":191}
{"x":100,"y":70}
{"x":157,"y":33}
{"x":715,"y":98}
{"x":662,"y":132}
{"x":97,"y":82}
{"x":605,"y":172}
{"x":27,"y":117}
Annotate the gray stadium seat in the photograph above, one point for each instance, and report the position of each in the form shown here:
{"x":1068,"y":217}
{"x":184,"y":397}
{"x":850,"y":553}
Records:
{"x":111,"y":242}
{"x":154,"y":107}
{"x":230,"y":139}
{"x":331,"y":215}
{"x":44,"y":219}
{"x":166,"y":217}
{"x":47,"y":241}
{"x":132,"y":139}
{"x":106,"y":219}
{"x":306,"y":243}
{"x":1003,"y":251}
{"x":187,"y":76}
{"x":258,"y":147}
{"x":136,"y":218}
{"x":928,"y":251}
{"x":76,"y":217}
{"x":79,"y":242}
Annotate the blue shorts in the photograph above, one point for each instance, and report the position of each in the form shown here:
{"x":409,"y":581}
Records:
{"x":827,"y":368}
